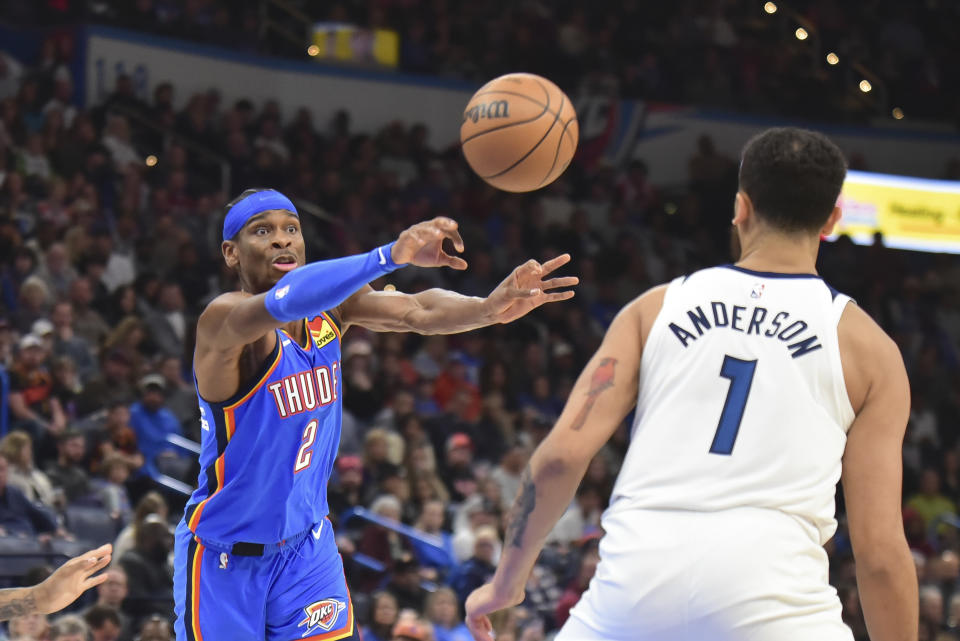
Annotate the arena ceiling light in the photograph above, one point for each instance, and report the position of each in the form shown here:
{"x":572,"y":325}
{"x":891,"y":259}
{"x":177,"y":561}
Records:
{"x":770,"y":7}
{"x":865,"y":86}
{"x":897,"y":113}
{"x":313,"y":51}
{"x":832,"y":59}
{"x":801,"y":33}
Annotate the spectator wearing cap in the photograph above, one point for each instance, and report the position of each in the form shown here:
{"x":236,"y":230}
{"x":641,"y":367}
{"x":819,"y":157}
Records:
{"x":347,"y":489}
{"x":19,"y":516}
{"x":17,"y":448}
{"x":66,"y":341}
{"x":67,"y":473}
{"x":383,"y":616}
{"x":479,"y":568}
{"x":459,"y":458}
{"x":443,"y":613}
{"x":33,"y":406}
{"x":153,"y":422}
{"x":110,"y":387}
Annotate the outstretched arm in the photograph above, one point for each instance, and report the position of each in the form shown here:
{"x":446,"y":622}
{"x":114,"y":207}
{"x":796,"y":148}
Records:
{"x":236,"y":319}
{"x":60,"y":589}
{"x":439,"y":311}
{"x":603,"y":395}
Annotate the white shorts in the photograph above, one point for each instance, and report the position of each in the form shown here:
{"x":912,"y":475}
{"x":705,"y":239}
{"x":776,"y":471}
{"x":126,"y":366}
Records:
{"x":737,"y":575}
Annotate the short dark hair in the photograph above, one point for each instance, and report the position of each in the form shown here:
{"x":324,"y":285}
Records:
{"x":97,"y":615}
{"x":793,"y":177}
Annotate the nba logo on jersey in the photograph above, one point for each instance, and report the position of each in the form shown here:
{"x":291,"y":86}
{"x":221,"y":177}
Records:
{"x":223,"y":560}
{"x":757,"y":290}
{"x":322,"y":614}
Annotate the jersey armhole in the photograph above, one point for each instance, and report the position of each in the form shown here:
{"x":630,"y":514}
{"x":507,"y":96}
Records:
{"x":838,"y":305}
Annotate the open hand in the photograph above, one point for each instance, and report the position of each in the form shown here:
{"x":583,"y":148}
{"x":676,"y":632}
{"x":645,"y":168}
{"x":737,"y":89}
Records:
{"x":422,"y":244}
{"x":525,"y":289}
{"x":72,"y":579}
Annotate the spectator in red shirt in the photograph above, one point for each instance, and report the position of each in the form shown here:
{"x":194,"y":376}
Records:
{"x":32,"y":404}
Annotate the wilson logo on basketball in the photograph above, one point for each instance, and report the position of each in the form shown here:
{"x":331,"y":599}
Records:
{"x":495,"y":109}
{"x":322,"y":614}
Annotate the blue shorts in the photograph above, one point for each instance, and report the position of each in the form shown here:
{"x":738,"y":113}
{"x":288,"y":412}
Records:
{"x":293,"y":591}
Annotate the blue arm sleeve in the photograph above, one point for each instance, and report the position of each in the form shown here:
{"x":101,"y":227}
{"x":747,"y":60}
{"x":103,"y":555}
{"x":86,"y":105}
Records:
{"x":308,"y":290}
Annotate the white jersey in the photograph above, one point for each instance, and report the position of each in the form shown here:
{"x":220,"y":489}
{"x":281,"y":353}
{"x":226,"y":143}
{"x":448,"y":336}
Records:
{"x":742,"y":401}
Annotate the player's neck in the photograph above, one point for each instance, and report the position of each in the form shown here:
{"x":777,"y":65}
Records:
{"x":780,"y":254}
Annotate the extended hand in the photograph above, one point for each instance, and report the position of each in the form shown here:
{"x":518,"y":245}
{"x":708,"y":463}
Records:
{"x":525,"y":289}
{"x":480,"y":604}
{"x":72,"y":579}
{"x":422,"y":244}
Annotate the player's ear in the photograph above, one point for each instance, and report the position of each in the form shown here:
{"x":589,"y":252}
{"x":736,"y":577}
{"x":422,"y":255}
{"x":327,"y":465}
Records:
{"x":834,"y":218}
{"x":229,"y":250}
{"x":742,"y":208}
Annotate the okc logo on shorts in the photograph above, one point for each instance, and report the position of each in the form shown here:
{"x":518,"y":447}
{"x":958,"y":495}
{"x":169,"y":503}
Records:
{"x":322,"y":614}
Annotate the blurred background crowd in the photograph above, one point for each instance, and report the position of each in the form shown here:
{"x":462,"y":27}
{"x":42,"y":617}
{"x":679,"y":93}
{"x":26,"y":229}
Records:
{"x":106,"y":260}
{"x":738,"y":54}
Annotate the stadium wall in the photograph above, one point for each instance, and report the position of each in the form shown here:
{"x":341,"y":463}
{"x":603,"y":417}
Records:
{"x":612,"y":130}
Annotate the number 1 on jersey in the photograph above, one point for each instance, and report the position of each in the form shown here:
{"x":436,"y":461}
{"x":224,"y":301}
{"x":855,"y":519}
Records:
{"x":740,"y":375}
{"x":304,"y":455}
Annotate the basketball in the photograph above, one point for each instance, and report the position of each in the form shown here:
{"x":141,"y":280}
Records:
{"x":519,"y":132}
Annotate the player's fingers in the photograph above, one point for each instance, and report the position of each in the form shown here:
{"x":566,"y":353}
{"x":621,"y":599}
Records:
{"x":98,"y":565}
{"x":93,"y":582}
{"x":480,"y":628}
{"x":558,"y":296}
{"x":554,"y":283}
{"x":450,"y":229}
{"x":554,"y":263}
{"x":454,"y":262}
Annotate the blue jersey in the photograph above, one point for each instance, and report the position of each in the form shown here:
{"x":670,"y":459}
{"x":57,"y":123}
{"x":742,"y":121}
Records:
{"x":268,"y":451}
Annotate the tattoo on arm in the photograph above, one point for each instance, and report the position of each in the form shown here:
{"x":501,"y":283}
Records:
{"x":16,"y":603}
{"x":520,"y":511}
{"x":602,"y":379}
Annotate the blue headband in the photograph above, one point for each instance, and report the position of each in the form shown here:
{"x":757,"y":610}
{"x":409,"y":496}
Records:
{"x":252,"y":205}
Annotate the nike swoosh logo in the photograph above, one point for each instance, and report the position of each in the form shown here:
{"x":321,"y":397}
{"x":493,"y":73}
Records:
{"x":383,"y":261}
{"x":316,"y":533}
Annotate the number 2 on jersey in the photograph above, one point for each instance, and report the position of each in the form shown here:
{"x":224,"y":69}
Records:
{"x":304,"y":455}
{"x":740,"y":375}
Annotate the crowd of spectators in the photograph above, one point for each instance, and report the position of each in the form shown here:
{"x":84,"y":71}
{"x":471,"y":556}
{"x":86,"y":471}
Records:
{"x":716,"y":53}
{"x":106,"y":262}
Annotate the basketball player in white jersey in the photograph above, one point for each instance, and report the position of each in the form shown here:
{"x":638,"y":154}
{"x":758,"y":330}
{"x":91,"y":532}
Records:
{"x":755,"y":385}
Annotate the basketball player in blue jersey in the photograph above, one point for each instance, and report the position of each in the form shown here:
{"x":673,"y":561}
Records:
{"x":757,"y":388}
{"x":255,"y":556}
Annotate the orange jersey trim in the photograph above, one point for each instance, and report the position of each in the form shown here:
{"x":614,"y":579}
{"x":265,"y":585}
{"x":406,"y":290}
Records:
{"x":231,"y":427}
{"x":195,"y":580}
{"x":336,"y":329}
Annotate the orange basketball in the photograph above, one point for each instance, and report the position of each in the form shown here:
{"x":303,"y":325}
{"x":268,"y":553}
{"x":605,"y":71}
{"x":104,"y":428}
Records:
{"x":519,"y":132}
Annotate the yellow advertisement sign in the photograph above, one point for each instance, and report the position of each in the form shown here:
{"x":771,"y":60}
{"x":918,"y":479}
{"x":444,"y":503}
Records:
{"x":911,"y":213}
